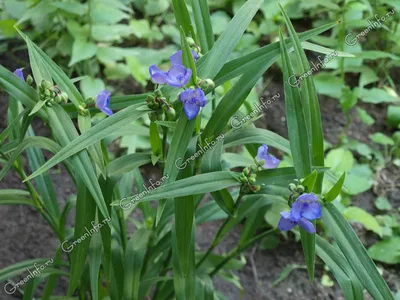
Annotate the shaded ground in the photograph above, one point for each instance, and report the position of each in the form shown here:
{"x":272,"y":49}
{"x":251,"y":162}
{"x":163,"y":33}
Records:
{"x":25,"y":235}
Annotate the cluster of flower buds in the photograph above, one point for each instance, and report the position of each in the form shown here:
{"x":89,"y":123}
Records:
{"x":192,"y":44}
{"x":51,"y":94}
{"x":156,"y":101}
{"x":249,"y":178}
{"x":297,"y":190}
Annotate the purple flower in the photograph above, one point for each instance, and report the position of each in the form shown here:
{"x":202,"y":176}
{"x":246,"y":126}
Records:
{"x":287,"y":222}
{"x":178,"y":76}
{"x":305,"y":209}
{"x":192,"y":101}
{"x":103,"y":102}
{"x":307,"y":206}
{"x":270,"y":161}
{"x":158,"y":76}
{"x":176,"y":59}
{"x":19,"y":73}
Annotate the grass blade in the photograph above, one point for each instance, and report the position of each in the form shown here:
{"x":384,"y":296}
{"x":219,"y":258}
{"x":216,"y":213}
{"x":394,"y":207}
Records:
{"x":204,"y":28}
{"x":357,"y":256}
{"x":92,"y":135}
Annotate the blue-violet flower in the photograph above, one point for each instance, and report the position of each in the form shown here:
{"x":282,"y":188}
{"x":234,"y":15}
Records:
{"x":305,"y":209}
{"x":19,"y":73}
{"x":192,"y":101}
{"x":158,"y":76}
{"x":103,"y":102}
{"x":176,"y":59}
{"x":270,"y":162}
{"x":178,"y":76}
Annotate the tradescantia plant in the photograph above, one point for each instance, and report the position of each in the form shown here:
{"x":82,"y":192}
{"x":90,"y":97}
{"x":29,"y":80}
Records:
{"x":160,"y":260}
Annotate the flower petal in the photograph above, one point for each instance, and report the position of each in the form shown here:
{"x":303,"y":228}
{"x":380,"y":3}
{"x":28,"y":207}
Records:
{"x":262,"y":152}
{"x":270,"y":162}
{"x":107,"y":111}
{"x":307,"y":225}
{"x":191,"y":110}
{"x":19,"y":73}
{"x":307,"y":197}
{"x":158,"y":76}
{"x":200,"y":97}
{"x":297,"y":209}
{"x":103,"y":99}
{"x":312,"y":211}
{"x":186,"y":95}
{"x":178,"y":76}
{"x":286,"y":214}
{"x":176,"y":58}
{"x":285,"y":224}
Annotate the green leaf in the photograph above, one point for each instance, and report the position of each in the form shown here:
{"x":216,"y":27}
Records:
{"x":204,"y":28}
{"x":19,"y":268}
{"x":310,"y":104}
{"x":296,"y":124}
{"x":187,"y":58}
{"x":78,"y":9}
{"x":180,"y":141}
{"x":36,"y":108}
{"x":309,"y":181}
{"x":365,"y":117}
{"x":382,"y":203}
{"x":381,"y":139}
{"x":64,"y":131}
{"x":82,"y":50}
{"x":127,"y":163}
{"x":29,"y":142}
{"x":93,"y":135}
{"x":85,"y":215}
{"x":355,"y":254}
{"x":338,"y":264}
{"x":95,"y":250}
{"x":393,"y":115}
{"x":224,"y":46}
{"x":19,"y":90}
{"x":265,"y":55}
{"x":211,"y":162}
{"x":56,"y":72}
{"x":182,"y":17}
{"x":246,"y":136}
{"x":194,"y":185}
{"x":134,"y":259}
{"x":335,"y":190}
{"x":386,"y":251}
{"x":376,"y":96}
{"x":359,"y":215}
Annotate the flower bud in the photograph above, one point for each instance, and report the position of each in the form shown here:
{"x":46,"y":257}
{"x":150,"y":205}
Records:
{"x":256,"y":188}
{"x":210,"y":83}
{"x":90,"y":101}
{"x":64,"y":97}
{"x":58,"y":99}
{"x":47,"y":93}
{"x":292,"y":187}
{"x":45,"y":84}
{"x":171,"y":112}
{"x":191,"y":42}
{"x":158,"y":93}
{"x":253,"y":168}
{"x":246,"y":171}
{"x":153,"y":117}
{"x":29,"y":80}
{"x":300,"y":189}
{"x":252,"y":180}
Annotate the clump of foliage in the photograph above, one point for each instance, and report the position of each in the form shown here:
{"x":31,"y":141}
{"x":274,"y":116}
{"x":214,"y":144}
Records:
{"x":188,"y":131}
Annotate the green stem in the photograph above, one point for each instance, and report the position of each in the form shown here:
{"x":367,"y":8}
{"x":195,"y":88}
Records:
{"x":218,"y":236}
{"x":239,"y":249}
